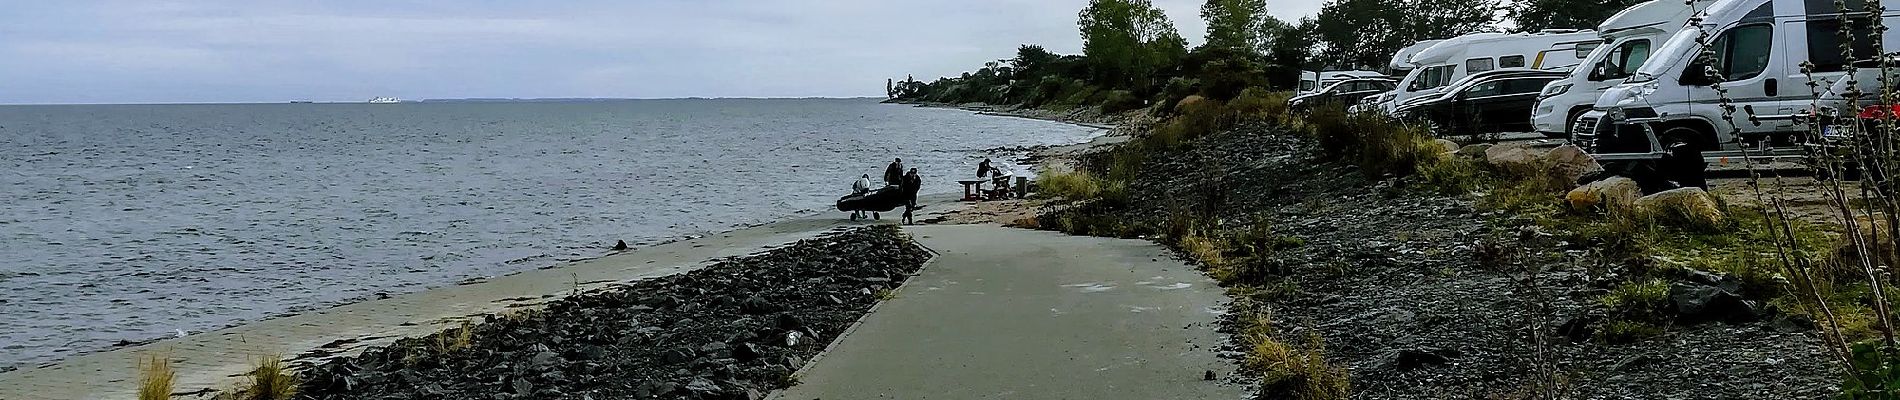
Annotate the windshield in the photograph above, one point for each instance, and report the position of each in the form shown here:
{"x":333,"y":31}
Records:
{"x":1680,"y":48}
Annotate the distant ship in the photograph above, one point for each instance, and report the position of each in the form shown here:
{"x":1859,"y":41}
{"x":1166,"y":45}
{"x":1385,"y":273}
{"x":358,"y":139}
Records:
{"x":300,"y":102}
{"x":384,"y":100}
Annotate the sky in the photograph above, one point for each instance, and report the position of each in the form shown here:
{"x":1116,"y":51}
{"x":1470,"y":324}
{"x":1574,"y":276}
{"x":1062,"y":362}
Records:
{"x":163,"y":51}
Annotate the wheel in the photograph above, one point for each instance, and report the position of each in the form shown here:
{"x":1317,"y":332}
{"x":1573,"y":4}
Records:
{"x":1684,"y":164}
{"x":1570,"y":124}
{"x":854,"y":216}
{"x":875,"y":216}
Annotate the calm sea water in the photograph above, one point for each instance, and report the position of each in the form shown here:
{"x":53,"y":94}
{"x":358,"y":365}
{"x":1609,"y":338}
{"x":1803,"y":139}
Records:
{"x":129,"y":222}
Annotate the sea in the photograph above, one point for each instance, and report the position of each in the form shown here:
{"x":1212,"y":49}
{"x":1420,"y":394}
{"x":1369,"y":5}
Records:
{"x":125,"y":223}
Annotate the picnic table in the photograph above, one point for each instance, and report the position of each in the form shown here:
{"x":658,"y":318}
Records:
{"x":973,"y":188}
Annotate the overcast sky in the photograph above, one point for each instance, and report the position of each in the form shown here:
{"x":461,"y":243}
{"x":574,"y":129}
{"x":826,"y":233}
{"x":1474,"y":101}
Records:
{"x":157,"y":51}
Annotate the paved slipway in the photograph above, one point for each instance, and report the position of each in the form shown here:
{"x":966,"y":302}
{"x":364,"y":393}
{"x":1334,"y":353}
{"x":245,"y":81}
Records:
{"x":1018,"y":314}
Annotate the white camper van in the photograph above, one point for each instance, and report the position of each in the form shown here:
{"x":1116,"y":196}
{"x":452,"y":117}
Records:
{"x":1453,"y":59}
{"x":1759,"y":48}
{"x":1314,"y":81}
{"x":1628,"y":38}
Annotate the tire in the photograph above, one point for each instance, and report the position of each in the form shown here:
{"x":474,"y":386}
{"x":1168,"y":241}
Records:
{"x":1685,"y":145}
{"x":1570,"y":123}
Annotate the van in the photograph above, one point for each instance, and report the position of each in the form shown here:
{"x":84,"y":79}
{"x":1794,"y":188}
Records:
{"x":1628,"y":37}
{"x":1453,"y":59}
{"x":1311,"y":81}
{"x":1759,"y":50}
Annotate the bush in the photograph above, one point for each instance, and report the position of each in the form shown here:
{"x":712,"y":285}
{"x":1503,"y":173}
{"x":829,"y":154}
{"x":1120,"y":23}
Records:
{"x":1196,"y":119}
{"x":1072,"y":185}
{"x":270,"y":381}
{"x":1289,"y":371}
{"x":1259,"y":104}
{"x":1121,"y":100}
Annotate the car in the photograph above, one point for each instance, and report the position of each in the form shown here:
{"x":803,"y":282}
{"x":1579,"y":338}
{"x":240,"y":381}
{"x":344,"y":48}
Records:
{"x":1491,"y":103}
{"x":1347,"y":91}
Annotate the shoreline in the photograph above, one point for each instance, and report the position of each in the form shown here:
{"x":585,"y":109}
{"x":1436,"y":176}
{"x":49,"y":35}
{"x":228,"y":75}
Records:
{"x":121,"y":354}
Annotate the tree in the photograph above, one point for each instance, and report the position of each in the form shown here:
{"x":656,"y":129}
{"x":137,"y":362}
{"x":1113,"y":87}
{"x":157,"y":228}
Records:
{"x":1288,"y":49}
{"x":1366,"y":33}
{"x":1235,"y":24}
{"x":1127,"y":41}
{"x":1032,"y":61}
{"x":1537,"y":15}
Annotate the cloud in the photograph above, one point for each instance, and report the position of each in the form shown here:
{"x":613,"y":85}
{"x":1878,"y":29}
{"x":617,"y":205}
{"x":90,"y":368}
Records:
{"x":232,"y":51}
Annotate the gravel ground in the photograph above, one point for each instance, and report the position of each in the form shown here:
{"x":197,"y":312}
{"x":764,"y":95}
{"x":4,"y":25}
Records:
{"x":734,"y":330}
{"x":1389,"y":278}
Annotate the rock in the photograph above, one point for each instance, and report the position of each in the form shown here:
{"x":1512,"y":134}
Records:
{"x":758,"y":305}
{"x":702,"y":386}
{"x":793,"y":338}
{"x":1569,"y":162}
{"x":1613,"y":195}
{"x":1210,"y":373}
{"x":545,"y":359}
{"x":1474,"y":152}
{"x":747,"y":352}
{"x":1632,"y":362}
{"x":1410,"y":359}
{"x":713,"y":347}
{"x":1578,"y":328}
{"x":1518,"y":160}
{"x":1689,"y":207}
{"x":1449,"y":146}
{"x":787,"y":321}
{"x":1695,"y":303}
{"x":678,"y":355}
{"x":620,"y":245}
{"x":1791,"y":323}
{"x":1188,"y":101}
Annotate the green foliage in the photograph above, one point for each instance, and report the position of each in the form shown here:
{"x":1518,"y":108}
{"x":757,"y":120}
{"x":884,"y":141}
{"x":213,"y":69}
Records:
{"x":1537,"y":15}
{"x":1378,"y":144}
{"x":1121,"y":100}
{"x":1194,"y":119}
{"x":1365,"y":33}
{"x":1289,"y":371}
{"x":1260,"y":104}
{"x":1075,"y":185}
{"x":1127,"y":41}
{"x":1877,"y":372}
{"x":1235,"y":24}
{"x":1644,"y":297}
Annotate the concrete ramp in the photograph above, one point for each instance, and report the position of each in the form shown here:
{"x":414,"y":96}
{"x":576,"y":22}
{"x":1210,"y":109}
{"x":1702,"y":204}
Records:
{"x":1016,"y":314}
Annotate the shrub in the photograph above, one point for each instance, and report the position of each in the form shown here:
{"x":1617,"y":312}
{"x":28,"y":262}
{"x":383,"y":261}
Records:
{"x":1289,"y":371}
{"x":1259,"y":104}
{"x":270,"y":381}
{"x":155,"y":377}
{"x":1195,"y":119}
{"x":1072,"y":185}
{"x":1638,"y":297}
{"x":1121,"y":100}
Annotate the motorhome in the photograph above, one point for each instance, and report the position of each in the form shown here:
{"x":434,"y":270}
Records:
{"x":1453,"y":59}
{"x":1671,"y":105}
{"x":1628,"y":37}
{"x":1311,"y":81}
{"x":1400,"y":65}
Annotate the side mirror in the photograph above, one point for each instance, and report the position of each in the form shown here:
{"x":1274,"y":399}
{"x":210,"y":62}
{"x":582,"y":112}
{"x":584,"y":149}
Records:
{"x":1697,"y":75}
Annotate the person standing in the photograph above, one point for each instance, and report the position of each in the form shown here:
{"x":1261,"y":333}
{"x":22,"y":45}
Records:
{"x":862,"y":186}
{"x":912,"y":183}
{"x":894,"y":175}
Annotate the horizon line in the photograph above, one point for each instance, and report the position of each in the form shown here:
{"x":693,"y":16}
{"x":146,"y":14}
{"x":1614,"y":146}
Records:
{"x":455,"y":99}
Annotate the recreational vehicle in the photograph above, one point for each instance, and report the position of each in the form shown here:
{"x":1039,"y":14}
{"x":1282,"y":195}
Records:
{"x":1671,"y":105}
{"x":1628,"y":37}
{"x":1453,"y":59}
{"x":1311,"y":81}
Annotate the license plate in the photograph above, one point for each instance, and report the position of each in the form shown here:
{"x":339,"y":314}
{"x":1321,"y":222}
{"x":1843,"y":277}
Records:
{"x":1832,"y":131}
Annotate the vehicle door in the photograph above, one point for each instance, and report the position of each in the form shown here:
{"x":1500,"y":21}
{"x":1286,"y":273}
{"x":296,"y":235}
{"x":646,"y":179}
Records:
{"x":1511,"y":111}
{"x":1469,"y":106}
{"x":1619,"y":64}
{"x":1742,"y":56}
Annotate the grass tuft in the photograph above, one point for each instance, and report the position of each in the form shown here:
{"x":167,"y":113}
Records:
{"x":1291,"y":371}
{"x":155,"y":377}
{"x":271,"y":381}
{"x":1073,"y":185}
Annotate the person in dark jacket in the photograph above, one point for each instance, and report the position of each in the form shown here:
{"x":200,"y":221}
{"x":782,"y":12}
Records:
{"x":912,"y":183}
{"x":894,"y":175}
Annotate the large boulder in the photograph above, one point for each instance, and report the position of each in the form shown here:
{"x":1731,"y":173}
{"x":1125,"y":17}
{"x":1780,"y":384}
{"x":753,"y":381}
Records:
{"x":1569,"y":162}
{"x":1614,"y":195}
{"x":1475,"y":151}
{"x":1689,"y":207}
{"x":1188,"y":101}
{"x":1695,"y":303}
{"x":1447,"y":145}
{"x":1515,"y":159}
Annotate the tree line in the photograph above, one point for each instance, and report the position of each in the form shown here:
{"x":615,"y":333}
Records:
{"x":1133,"y":55}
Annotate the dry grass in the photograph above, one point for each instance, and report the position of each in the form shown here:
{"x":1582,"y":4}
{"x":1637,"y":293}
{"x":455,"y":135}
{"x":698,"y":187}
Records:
{"x":271,"y":381}
{"x":455,"y":339}
{"x":155,"y":377}
{"x":1072,"y":185}
{"x":1288,"y":371}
